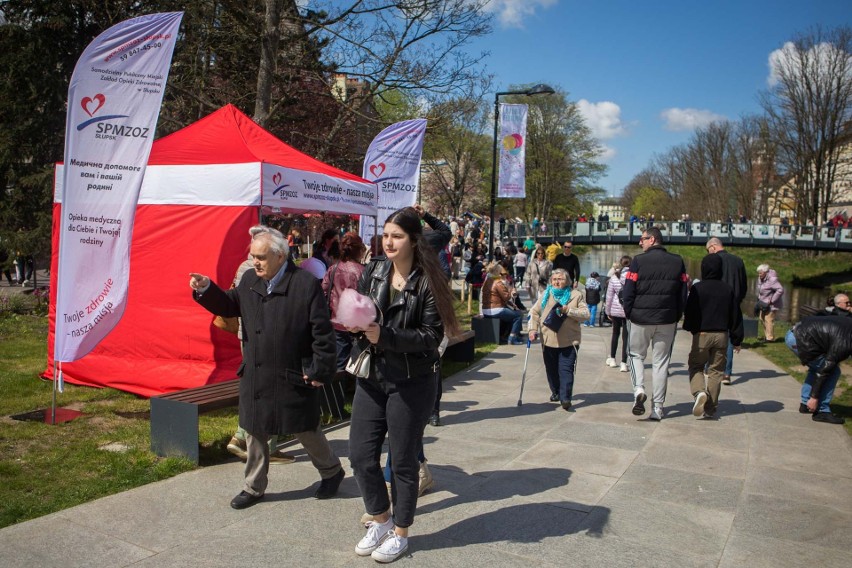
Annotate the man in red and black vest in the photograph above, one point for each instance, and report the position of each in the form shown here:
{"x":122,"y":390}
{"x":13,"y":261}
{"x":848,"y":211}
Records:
{"x":654,"y":297}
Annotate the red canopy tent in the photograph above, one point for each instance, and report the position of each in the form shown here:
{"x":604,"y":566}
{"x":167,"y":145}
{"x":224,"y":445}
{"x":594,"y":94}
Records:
{"x":204,"y":187}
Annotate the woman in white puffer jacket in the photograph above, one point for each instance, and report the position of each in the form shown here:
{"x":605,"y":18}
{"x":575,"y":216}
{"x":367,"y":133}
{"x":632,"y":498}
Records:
{"x":615,"y":312}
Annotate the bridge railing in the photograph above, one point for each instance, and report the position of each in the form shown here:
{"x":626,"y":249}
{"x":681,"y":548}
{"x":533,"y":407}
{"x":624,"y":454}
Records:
{"x":684,"y":231}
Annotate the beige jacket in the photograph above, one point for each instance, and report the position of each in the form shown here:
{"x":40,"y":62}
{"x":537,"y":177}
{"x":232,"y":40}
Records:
{"x":577,"y":311}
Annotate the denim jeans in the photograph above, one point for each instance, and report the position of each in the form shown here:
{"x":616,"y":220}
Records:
{"x":593,"y":315}
{"x":511,"y":316}
{"x":559,"y":364}
{"x":827,"y":390}
{"x":828,"y":385}
{"x":344,"y":348}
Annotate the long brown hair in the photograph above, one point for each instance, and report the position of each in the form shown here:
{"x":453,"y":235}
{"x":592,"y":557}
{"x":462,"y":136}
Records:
{"x":426,"y":259}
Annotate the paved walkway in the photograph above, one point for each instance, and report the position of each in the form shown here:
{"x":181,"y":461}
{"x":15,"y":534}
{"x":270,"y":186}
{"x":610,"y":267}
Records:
{"x":518,"y":486}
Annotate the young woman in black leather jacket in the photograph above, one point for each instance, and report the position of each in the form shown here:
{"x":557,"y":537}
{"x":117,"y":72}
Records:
{"x":416,"y":307}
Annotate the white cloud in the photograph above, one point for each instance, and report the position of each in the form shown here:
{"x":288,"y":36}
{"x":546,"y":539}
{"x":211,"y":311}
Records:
{"x":607,"y":153}
{"x":776,"y":61}
{"x":603,"y":118}
{"x":511,"y":13}
{"x":681,"y":119}
{"x":790,"y":60}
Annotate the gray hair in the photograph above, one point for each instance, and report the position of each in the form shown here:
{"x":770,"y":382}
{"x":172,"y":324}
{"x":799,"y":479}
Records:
{"x":763,"y":268}
{"x":840,"y":296}
{"x":561,"y":272}
{"x":277,"y":243}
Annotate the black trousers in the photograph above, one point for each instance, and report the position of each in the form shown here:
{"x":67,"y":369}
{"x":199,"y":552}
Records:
{"x":400,"y":410}
{"x":619,"y":327}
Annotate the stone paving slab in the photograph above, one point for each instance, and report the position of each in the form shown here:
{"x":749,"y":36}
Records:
{"x":517,"y":486}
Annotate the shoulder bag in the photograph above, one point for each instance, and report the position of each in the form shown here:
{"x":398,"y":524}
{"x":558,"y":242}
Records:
{"x":555,"y":318}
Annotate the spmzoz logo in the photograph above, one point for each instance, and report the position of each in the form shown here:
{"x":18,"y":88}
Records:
{"x":280,"y":188}
{"x":105,"y":128}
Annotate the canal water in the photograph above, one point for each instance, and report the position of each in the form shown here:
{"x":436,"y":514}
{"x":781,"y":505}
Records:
{"x":600,"y":258}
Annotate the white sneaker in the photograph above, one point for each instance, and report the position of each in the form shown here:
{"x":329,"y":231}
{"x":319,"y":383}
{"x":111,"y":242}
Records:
{"x":425,"y":480}
{"x":656,"y":412}
{"x":698,"y":407}
{"x":393,"y":546}
{"x":623,"y":368}
{"x":610,"y":362}
{"x":376,"y":535}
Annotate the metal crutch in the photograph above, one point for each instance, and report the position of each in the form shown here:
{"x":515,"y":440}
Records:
{"x":524,"y":374}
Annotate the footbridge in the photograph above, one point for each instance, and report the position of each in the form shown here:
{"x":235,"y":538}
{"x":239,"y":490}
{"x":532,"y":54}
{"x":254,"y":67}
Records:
{"x":803,"y":237}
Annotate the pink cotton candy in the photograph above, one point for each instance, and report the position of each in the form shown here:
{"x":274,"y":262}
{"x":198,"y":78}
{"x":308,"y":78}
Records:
{"x":355,"y":310}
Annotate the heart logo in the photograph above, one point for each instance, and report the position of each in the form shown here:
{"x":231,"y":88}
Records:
{"x":276,"y":179}
{"x":377,"y":169}
{"x":87,"y":102}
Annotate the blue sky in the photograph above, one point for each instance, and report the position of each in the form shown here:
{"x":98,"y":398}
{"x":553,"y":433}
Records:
{"x":645,"y":73}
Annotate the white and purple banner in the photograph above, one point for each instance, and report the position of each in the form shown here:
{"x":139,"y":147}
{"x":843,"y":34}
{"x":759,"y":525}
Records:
{"x":513,"y":146}
{"x":288,"y":189}
{"x":392,"y":162}
{"x":113,"y":104}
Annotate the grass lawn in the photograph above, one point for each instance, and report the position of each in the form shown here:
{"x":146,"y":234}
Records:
{"x":821,"y":270}
{"x":778,"y":353}
{"x":46,"y":468}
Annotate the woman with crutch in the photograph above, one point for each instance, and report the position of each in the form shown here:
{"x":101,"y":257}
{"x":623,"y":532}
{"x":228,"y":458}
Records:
{"x":558,"y":316}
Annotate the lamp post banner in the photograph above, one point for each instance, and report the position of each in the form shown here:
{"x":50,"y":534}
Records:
{"x":114,"y":101}
{"x":392,"y":162}
{"x":513,"y":146}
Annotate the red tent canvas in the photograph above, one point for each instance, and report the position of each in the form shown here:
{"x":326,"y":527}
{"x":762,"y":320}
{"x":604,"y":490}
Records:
{"x":204,"y":188}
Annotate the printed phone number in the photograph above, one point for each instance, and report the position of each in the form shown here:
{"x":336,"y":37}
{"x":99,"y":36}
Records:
{"x":141,"y":48}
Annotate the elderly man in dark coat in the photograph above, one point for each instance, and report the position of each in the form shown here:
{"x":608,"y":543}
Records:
{"x":288,"y":352}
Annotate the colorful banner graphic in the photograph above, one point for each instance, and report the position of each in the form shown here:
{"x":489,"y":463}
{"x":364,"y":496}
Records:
{"x":113,"y":104}
{"x":392,"y":162}
{"x":513,"y":134}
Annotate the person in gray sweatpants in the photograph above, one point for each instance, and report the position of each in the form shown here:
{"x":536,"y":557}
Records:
{"x":654,"y":297}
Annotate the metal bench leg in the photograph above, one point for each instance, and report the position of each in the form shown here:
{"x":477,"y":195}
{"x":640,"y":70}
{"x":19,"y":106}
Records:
{"x":174,"y":429}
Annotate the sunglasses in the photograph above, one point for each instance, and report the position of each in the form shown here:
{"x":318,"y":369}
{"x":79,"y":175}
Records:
{"x":643,"y":239}
{"x":566,"y":247}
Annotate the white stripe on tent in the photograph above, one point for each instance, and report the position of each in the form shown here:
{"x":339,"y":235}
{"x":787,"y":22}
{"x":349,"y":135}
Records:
{"x":214,"y":184}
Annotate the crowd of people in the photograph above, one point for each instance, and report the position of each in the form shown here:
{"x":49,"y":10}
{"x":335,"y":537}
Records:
{"x":293,"y":342}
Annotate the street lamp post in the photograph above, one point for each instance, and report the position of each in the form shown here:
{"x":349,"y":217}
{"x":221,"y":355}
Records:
{"x":539,"y":89}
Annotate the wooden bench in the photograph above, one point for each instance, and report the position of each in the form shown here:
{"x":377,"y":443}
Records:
{"x":806,"y":311}
{"x":174,"y":416}
{"x":461,"y":347}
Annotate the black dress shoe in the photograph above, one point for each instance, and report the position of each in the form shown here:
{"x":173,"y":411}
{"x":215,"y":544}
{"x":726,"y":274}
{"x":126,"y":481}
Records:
{"x":828,"y":418}
{"x":554,"y":398}
{"x":435,"y":419}
{"x":803,"y":408}
{"x":566,"y":404}
{"x":244,"y":500}
{"x":328,"y":487}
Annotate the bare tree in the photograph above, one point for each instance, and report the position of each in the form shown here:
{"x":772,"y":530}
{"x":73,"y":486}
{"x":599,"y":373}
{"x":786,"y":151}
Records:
{"x":457,"y":156}
{"x":808,"y":107}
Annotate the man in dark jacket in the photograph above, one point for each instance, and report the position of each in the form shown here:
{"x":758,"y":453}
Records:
{"x":734,"y":275}
{"x":288,"y":351}
{"x":713,"y":316}
{"x":841,"y":308}
{"x":654,"y":296}
{"x":821,"y":343}
{"x":438,"y":237}
{"x":569,"y":262}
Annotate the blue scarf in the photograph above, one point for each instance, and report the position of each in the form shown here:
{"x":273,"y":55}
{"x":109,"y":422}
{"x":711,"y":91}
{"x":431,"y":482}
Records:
{"x":562,"y":295}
